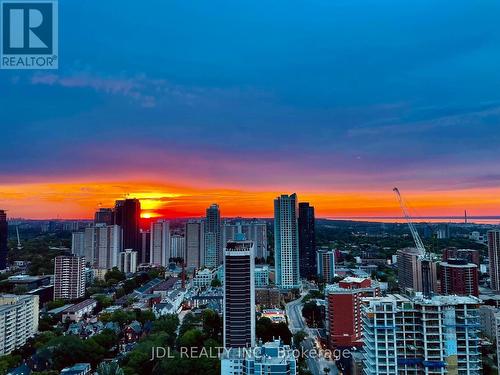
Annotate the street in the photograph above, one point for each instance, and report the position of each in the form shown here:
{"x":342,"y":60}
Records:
{"x":296,"y":323}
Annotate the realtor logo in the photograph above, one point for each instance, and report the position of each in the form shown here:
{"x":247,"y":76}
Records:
{"x":29,"y":34}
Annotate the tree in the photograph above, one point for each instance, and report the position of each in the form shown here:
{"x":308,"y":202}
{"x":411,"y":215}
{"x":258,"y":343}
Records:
{"x":103,"y":301}
{"x":216,"y":283}
{"x":129,"y":285}
{"x":55,"y":304}
{"x":167,"y":323}
{"x":106,"y":339}
{"x":190,"y":321}
{"x":119,"y":316}
{"x":46,"y":323}
{"x":109,"y":368}
{"x":191,"y":339}
{"x":114,"y":275}
{"x":8,"y":362}
{"x":298,"y":338}
{"x":43,"y":338}
{"x":266,"y":330}
{"x":212,"y":324}
{"x":68,"y":350}
{"x":144,"y":316}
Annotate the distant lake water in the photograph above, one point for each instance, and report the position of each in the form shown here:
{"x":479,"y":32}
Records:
{"x":489,"y":220}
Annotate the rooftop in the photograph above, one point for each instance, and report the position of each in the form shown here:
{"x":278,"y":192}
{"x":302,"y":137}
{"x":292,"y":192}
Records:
{"x":26,"y":278}
{"x":145,"y":288}
{"x":81,"y":305}
{"x":166,"y":285}
{"x":58,"y":310}
{"x":76,"y":369}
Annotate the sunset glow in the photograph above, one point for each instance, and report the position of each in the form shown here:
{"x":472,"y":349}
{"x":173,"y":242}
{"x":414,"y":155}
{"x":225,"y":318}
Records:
{"x":79,"y":200}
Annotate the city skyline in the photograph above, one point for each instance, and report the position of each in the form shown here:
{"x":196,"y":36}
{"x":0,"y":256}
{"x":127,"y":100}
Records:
{"x":326,"y":103}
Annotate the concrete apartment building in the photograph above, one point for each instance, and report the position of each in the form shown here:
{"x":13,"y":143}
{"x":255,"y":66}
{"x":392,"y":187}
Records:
{"x":418,"y":335}
{"x":69,"y":277}
{"x":18,"y":321}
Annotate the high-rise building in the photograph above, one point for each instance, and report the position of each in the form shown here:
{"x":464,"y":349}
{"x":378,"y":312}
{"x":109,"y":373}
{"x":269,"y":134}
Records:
{"x":497,"y":325}
{"x":307,"y":241}
{"x":253,"y":230}
{"x":178,"y":246}
{"x":160,"y":243}
{"x":102,"y":244}
{"x":488,"y":322}
{"x":69,"y":277}
{"x":4,"y":231}
{"x":437,"y":335}
{"x":286,"y":242}
{"x":494,"y":256}
{"x":261,"y":276}
{"x":78,"y":243}
{"x":104,"y":216}
{"x":144,"y":255}
{"x":18,"y":321}
{"x":344,"y":324}
{"x":195,"y":244}
{"x":127,"y":215}
{"x":459,"y":277}
{"x":239,"y":295}
{"x":128,"y":261}
{"x":325,"y":262}
{"x":213,"y":244}
{"x":412,"y":271}
{"x":472,"y":256}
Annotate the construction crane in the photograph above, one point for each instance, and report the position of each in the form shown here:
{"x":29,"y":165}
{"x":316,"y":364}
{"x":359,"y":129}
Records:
{"x":416,"y":237}
{"x":425,"y":258}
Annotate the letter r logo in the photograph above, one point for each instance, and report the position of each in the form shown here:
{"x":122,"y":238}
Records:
{"x":27,"y":27}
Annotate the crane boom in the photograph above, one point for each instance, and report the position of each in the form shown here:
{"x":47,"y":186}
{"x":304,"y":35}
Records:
{"x":416,"y":237}
{"x":428,"y":281}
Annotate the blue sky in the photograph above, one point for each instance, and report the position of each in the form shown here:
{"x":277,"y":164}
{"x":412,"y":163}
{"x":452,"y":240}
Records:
{"x":330,"y":95}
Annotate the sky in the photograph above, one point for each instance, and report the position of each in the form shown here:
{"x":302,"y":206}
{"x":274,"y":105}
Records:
{"x":186,"y":103}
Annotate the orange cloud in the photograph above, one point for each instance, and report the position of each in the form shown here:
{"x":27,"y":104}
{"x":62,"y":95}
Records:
{"x":74,"y":200}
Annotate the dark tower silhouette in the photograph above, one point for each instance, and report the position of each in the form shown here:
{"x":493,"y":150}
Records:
{"x":3,"y":240}
{"x":104,"y":216}
{"x":307,"y":241}
{"x":213,"y":247}
{"x":127,"y":215}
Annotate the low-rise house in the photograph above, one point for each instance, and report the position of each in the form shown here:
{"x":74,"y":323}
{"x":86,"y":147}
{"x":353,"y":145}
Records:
{"x":149,"y":300}
{"x":211,"y":295}
{"x":163,"y":308}
{"x":165,"y":286}
{"x":204,"y":277}
{"x":76,"y":312}
{"x":75,"y":329}
{"x":176,"y":297}
{"x":132,"y":332}
{"x":148,"y":287}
